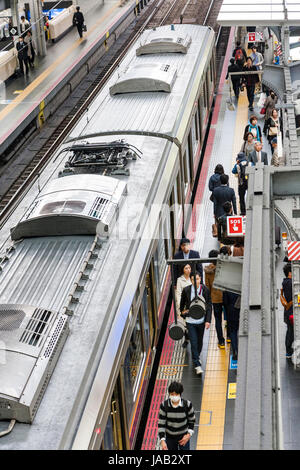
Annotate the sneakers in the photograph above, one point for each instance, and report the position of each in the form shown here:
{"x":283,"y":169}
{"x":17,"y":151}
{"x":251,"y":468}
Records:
{"x":198,"y":370}
{"x":228,"y":340}
{"x":289,"y":355}
{"x":185,"y":344}
{"x":221,"y":345}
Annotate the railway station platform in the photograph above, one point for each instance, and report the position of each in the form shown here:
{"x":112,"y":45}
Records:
{"x":213,"y":393}
{"x":25,"y":98}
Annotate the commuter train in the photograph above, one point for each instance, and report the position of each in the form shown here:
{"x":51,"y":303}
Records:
{"x":83,"y":275}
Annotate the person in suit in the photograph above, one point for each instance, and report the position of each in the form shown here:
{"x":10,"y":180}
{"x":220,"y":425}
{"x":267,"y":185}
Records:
{"x":196,"y":327}
{"x":258,"y":155}
{"x":185,"y":252}
{"x":22,"y":49}
{"x":78,"y":20}
{"x":222,"y":194}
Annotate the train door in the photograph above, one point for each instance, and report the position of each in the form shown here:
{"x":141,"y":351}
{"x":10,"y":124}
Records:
{"x":148,"y":309}
{"x":113,"y":438}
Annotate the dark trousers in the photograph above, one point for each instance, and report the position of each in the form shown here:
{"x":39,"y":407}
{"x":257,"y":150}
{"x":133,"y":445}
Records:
{"x":242,"y":192}
{"x":234,"y":328}
{"x":218,"y":320}
{"x":23,"y":62}
{"x":289,"y":338}
{"x":196,"y":333}
{"x":172,"y":444}
{"x":250,"y":94}
{"x":79,"y":28}
{"x":236,"y":87}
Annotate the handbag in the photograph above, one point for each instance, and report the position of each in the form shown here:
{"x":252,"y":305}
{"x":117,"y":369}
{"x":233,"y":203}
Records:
{"x":263,"y":111}
{"x":287,"y":305}
{"x":273,"y":131}
{"x":84,"y":28}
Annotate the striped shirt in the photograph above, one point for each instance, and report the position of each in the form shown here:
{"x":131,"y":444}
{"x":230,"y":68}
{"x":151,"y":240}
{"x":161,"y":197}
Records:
{"x":176,"y":421}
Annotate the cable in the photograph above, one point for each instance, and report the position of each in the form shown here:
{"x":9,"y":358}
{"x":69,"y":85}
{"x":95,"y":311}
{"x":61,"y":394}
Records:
{"x":9,"y":429}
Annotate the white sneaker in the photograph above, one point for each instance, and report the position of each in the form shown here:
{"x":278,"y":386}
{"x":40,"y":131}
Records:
{"x":199,"y":370}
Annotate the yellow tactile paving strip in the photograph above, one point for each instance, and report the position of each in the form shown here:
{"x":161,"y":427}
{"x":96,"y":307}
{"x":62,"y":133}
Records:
{"x":213,"y":405}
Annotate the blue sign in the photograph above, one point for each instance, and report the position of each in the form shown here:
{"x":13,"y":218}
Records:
{"x":233,"y":364}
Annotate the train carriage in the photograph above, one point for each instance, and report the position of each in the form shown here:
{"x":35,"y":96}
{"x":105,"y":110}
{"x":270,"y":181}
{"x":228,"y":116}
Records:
{"x":83,"y":276}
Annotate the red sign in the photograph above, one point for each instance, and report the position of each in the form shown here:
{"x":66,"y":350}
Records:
{"x":251,"y":37}
{"x":294,"y":251}
{"x":236,"y":226}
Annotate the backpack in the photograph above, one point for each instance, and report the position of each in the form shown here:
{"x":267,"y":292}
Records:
{"x":243,"y":178}
{"x":239,"y":56}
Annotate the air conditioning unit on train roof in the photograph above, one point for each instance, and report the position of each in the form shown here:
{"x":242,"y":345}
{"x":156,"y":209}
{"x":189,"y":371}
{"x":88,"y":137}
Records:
{"x":31,"y":341}
{"x":73,"y":205}
{"x":145,"y":77}
{"x":169,"y":42}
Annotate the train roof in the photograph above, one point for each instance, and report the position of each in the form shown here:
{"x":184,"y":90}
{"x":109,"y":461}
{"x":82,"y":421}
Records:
{"x":41,"y":271}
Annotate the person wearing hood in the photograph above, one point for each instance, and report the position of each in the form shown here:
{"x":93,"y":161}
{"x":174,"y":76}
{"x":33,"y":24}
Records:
{"x":286,"y":298}
{"x":185,"y":252}
{"x":216,"y":296}
{"x":239,"y":169}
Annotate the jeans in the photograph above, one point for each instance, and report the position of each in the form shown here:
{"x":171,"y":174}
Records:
{"x":236,"y":87}
{"x":196,"y":333}
{"x":234,"y":328}
{"x":250,"y":94}
{"x":172,"y":444}
{"x":218,"y":320}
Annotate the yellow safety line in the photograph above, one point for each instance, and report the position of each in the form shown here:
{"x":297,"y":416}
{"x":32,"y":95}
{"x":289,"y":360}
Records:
{"x":52,"y":67}
{"x":213,"y":404}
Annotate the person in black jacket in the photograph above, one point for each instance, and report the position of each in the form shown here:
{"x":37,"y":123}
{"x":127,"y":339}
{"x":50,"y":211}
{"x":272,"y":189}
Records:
{"x":22,"y":49}
{"x":185,"y":252}
{"x":78,"y":20}
{"x":196,"y":327}
{"x":239,"y":55}
{"x":231,"y":303}
{"x":250,"y":81}
{"x":287,"y":291}
{"x":235,"y":79}
{"x":222,"y":194}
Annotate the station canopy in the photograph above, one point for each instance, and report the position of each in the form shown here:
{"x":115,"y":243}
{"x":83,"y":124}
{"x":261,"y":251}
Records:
{"x":259,"y":12}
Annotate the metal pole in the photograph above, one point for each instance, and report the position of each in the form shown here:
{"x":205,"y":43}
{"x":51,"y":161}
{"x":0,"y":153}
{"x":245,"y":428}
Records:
{"x":37,"y":22}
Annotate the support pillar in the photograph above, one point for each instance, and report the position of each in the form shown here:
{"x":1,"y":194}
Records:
{"x":37,"y":23}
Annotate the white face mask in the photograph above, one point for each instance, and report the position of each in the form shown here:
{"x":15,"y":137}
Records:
{"x":175,"y":399}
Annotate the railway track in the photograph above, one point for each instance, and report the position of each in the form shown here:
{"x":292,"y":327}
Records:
{"x":158,"y":13}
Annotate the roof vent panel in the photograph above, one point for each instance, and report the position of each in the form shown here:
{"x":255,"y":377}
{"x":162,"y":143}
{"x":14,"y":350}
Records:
{"x":31,"y":341}
{"x":171,"y":43}
{"x":144,"y":78}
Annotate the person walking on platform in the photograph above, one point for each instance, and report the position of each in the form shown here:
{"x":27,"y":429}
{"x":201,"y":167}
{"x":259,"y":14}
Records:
{"x":254,"y":128}
{"x":31,"y":48}
{"x":216,"y":296}
{"x":239,"y":169}
{"x":273,"y":126}
{"x":269,"y":105}
{"x":214,"y":180}
{"x":258,"y":155}
{"x":275,"y":158}
{"x":183,"y":281}
{"x":232,"y":307}
{"x":196,"y":327}
{"x":239,"y":55}
{"x":222,"y":194}
{"x":22,"y":49}
{"x":257,"y":58}
{"x":286,"y":298}
{"x":250,"y":81}
{"x":24,"y":24}
{"x":222,"y":224}
{"x":235,"y":79}
{"x":248,"y":144}
{"x":176,"y":420}
{"x":185,"y":252}
{"x":78,"y":20}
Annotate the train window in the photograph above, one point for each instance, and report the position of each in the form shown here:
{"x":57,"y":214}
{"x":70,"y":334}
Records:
{"x":133,"y":366}
{"x":208,"y":88}
{"x":161,"y":258}
{"x":148,"y":312}
{"x":186,"y":166}
{"x":113,"y":439}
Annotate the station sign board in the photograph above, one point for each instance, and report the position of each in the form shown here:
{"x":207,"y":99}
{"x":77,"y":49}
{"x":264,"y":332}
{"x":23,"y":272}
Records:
{"x":256,"y":37}
{"x":236,"y":225}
